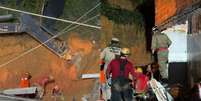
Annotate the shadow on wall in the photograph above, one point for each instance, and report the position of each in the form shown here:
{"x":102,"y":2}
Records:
{"x":148,"y":11}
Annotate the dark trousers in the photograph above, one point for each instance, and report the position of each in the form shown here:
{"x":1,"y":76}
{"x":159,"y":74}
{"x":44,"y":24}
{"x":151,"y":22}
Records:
{"x":121,"y":94}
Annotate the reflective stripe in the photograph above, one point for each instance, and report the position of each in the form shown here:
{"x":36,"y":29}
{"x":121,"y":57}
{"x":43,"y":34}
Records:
{"x":162,"y":49}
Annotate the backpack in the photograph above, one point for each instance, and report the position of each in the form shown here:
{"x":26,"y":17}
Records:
{"x":121,"y":82}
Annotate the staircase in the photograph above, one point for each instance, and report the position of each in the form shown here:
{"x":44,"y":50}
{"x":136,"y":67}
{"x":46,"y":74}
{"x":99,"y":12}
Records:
{"x":32,"y":27}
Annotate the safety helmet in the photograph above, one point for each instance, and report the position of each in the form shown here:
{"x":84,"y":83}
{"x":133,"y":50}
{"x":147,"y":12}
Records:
{"x":114,"y":42}
{"x":28,"y":75}
{"x":155,"y":28}
{"x":115,"y":39}
{"x":139,"y":70}
{"x":125,"y":51}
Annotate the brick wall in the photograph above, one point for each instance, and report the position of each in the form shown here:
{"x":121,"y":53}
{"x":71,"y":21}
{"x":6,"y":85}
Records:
{"x":168,"y":8}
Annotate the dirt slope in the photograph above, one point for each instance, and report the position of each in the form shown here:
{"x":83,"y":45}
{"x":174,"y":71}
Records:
{"x":43,"y":62}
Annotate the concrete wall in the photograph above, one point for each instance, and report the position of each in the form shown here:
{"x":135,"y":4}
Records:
{"x":194,"y":49}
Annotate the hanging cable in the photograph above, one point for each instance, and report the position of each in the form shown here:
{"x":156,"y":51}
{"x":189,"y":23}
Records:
{"x":48,"y":17}
{"x":83,"y":22}
{"x":81,"y":17}
{"x":32,"y":49}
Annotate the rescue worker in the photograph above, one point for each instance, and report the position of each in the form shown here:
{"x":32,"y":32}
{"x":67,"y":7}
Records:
{"x":120,"y":69}
{"x":25,"y":80}
{"x":160,"y":44}
{"x":41,"y":84}
{"x":108,"y":54}
{"x":57,"y":94}
{"x":56,"y":91}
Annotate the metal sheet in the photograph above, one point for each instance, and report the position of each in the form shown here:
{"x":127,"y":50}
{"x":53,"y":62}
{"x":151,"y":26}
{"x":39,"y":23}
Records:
{"x":9,"y":28}
{"x":18,"y":91}
{"x":6,"y":17}
{"x":90,"y":76}
{"x":14,"y":98}
{"x":53,"y":8}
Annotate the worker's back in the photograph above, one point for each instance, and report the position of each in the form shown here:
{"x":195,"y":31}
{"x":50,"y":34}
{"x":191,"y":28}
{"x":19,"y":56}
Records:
{"x":114,"y":68}
{"x":109,"y":53}
{"x":160,"y":40}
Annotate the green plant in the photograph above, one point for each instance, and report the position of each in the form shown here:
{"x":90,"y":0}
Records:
{"x":121,"y":16}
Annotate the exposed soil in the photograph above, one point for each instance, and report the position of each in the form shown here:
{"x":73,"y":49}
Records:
{"x":43,"y":62}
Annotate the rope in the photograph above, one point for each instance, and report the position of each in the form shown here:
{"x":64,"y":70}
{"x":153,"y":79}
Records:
{"x":81,"y":17}
{"x":48,"y":17}
{"x":83,"y":22}
{"x":6,"y":63}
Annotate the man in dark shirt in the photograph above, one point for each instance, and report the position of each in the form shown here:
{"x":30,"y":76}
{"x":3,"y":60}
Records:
{"x":120,"y":69}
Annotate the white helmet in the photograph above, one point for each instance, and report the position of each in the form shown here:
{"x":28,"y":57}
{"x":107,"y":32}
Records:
{"x":115,"y":39}
{"x":114,"y":42}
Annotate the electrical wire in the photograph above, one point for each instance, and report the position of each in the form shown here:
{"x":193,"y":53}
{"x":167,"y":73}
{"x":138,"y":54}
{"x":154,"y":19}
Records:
{"x":32,"y":49}
{"x":81,"y":17}
{"x":48,"y":17}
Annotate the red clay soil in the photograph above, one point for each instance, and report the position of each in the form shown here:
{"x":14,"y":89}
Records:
{"x":43,"y":62}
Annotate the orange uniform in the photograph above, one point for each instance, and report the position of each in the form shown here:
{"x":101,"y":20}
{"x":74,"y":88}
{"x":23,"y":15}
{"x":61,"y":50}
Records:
{"x":102,"y":77}
{"x":24,"y":82}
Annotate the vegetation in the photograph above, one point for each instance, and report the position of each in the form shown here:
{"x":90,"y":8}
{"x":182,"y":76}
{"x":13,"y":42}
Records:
{"x":122,"y":16}
{"x":73,"y":10}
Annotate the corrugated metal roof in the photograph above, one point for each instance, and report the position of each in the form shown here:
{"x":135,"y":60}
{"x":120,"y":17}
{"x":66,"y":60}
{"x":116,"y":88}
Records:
{"x":16,"y":91}
{"x":14,"y":98}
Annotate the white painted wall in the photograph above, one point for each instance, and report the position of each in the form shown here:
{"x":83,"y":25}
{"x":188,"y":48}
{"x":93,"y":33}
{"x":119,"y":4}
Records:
{"x":178,"y":49}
